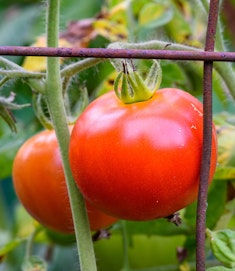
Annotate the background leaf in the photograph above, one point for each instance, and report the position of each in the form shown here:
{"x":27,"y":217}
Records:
{"x":155,"y":14}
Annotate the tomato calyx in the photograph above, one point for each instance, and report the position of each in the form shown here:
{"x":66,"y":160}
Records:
{"x":101,"y":234}
{"x":175,"y":219}
{"x":131,"y":88}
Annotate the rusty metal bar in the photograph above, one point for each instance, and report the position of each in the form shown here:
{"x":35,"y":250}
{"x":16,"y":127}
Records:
{"x":207,"y":138}
{"x":118,"y":53}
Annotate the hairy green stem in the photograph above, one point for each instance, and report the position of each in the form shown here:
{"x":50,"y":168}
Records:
{"x":205,"y":5}
{"x":153,"y":44}
{"x":4,"y":80}
{"x":20,"y":74}
{"x":4,"y":62}
{"x":35,"y":84}
{"x":82,"y":65}
{"x":58,"y":114}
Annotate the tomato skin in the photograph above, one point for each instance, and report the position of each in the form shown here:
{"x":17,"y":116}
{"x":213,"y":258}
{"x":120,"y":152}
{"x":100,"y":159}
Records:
{"x":40,"y":185}
{"x":140,"y":161}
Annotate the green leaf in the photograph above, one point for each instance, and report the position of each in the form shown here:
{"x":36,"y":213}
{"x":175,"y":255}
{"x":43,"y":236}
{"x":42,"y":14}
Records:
{"x":15,"y":30}
{"x":217,"y":197}
{"x":24,"y":223}
{"x":10,"y":143}
{"x":155,"y":227}
{"x":178,"y":28}
{"x":8,"y":117}
{"x":216,"y":203}
{"x":171,"y":70}
{"x":7,"y":245}
{"x":227,"y":219}
{"x":154,"y":14}
{"x":226,"y":144}
{"x":74,"y":10}
{"x":223,"y":246}
{"x":13,"y":25}
{"x":6,"y":105}
{"x":220,"y":268}
{"x":225,"y":173}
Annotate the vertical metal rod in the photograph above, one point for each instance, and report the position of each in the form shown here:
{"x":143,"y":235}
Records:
{"x":207,"y":138}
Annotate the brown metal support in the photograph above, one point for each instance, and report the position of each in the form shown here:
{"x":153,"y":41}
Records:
{"x":207,"y":138}
{"x":118,"y":53}
{"x":208,"y":56}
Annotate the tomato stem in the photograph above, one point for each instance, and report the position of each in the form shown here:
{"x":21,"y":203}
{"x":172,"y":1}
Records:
{"x":37,"y":100}
{"x":58,"y":115}
{"x":30,"y":241}
{"x":126,"y":265}
{"x":77,"y":67}
{"x":29,"y":77}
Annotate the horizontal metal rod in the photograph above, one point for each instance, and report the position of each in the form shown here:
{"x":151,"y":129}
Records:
{"x":117,"y":53}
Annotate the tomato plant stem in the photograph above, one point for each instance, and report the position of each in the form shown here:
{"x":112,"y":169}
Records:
{"x":77,"y":67}
{"x":32,"y":80}
{"x":29,"y":244}
{"x":126,"y":266}
{"x":57,"y":111}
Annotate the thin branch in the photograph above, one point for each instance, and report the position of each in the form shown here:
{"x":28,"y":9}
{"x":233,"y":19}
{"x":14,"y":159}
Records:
{"x":21,"y":74}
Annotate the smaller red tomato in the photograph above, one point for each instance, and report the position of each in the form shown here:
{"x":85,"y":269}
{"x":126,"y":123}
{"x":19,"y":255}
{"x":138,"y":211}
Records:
{"x":40,"y":185}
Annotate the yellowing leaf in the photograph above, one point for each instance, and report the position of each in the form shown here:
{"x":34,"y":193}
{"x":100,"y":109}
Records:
{"x":154,"y":15}
{"x":111,"y":30}
{"x":184,"y":267}
{"x":36,"y":63}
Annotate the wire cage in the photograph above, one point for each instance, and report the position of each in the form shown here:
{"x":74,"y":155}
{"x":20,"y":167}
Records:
{"x":207,"y":56}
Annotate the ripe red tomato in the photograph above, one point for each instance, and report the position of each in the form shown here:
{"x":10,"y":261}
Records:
{"x":140,"y":161}
{"x":40,"y":185}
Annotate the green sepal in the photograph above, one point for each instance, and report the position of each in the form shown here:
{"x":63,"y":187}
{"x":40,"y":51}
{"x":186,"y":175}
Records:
{"x":131,"y":88}
{"x":124,"y":94}
{"x":140,"y":91}
{"x":75,"y":108}
{"x":154,"y":77}
{"x":41,"y":110}
{"x":8,"y":117}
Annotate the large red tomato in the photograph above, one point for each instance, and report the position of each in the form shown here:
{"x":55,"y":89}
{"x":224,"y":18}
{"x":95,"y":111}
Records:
{"x":40,"y":185}
{"x":140,"y":161}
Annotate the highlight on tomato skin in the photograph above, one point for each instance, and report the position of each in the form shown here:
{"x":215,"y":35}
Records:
{"x":140,"y":161}
{"x":40,"y":185}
